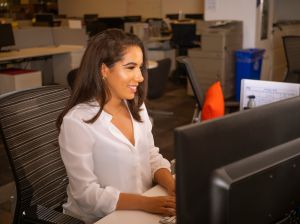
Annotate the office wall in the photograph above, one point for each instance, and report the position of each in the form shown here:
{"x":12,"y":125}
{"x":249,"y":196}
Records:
{"x":251,"y":14}
{"x":103,"y":8}
{"x":244,"y":10}
{"x":146,"y":8}
{"x":265,"y":43}
{"x":286,"y":10}
{"x":186,"y":6}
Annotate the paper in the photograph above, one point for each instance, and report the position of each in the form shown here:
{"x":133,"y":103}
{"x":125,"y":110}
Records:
{"x":210,"y":5}
{"x":266,"y":92}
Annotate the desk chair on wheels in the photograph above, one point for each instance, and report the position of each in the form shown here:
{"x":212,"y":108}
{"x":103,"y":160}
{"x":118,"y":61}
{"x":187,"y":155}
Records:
{"x":27,"y":121}
{"x":197,"y":90}
{"x":292,"y":52}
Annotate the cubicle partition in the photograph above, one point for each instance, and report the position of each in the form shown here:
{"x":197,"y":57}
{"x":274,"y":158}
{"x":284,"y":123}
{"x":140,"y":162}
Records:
{"x":29,"y":37}
{"x":52,"y":50}
{"x":69,"y":36}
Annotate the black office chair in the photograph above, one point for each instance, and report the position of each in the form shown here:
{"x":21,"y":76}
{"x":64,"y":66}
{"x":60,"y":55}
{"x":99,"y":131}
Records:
{"x":157,"y":83}
{"x":158,"y":78}
{"x":197,"y":90}
{"x":27,"y":121}
{"x":292,"y":52}
{"x":71,"y":77}
{"x":192,"y":77}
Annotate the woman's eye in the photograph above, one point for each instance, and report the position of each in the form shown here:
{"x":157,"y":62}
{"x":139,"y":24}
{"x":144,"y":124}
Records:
{"x":131,"y":67}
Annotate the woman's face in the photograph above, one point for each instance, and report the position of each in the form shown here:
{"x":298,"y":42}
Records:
{"x":124,"y":77}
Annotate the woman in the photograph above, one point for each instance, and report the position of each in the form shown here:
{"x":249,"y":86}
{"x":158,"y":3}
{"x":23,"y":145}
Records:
{"x":105,"y":134}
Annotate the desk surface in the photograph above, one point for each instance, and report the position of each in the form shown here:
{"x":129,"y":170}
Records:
{"x":159,"y":38}
{"x":135,"y":217}
{"x":39,"y":52}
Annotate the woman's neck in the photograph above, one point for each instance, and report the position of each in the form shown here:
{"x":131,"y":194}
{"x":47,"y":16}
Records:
{"x":113,"y":107}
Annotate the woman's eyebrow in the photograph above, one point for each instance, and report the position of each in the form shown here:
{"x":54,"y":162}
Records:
{"x":130,"y":64}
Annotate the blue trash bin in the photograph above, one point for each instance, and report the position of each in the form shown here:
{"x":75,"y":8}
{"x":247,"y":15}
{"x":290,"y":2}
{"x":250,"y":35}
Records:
{"x":248,"y":66}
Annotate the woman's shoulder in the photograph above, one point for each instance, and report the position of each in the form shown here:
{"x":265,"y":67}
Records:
{"x":143,"y":109}
{"x":83,"y":111}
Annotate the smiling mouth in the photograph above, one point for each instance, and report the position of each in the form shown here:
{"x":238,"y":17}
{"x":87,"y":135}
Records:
{"x":133,"y":88}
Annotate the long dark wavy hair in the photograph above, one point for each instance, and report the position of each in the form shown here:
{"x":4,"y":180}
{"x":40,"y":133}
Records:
{"x":107,"y":47}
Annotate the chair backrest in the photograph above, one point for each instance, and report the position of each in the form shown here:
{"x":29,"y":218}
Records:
{"x":292,"y":52}
{"x":71,"y":77}
{"x":27,"y":121}
{"x":193,"y":78}
{"x":158,"y":78}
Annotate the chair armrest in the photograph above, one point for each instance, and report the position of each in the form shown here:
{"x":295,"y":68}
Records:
{"x":38,"y":214}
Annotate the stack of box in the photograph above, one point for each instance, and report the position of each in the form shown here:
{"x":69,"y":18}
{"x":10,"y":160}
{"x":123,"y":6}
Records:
{"x":16,"y":79}
{"x":215,"y":60}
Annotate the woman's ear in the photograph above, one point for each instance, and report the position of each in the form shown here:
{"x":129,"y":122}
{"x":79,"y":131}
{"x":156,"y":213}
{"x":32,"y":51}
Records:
{"x":104,"y":71}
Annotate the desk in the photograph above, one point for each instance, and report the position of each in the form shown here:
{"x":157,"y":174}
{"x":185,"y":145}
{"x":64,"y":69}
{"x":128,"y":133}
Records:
{"x":38,"y":52}
{"x":135,"y":217}
{"x":159,"y":38}
{"x":65,"y":58}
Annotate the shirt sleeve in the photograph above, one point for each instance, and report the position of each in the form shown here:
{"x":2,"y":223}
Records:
{"x":156,"y":159}
{"x":76,"y":145}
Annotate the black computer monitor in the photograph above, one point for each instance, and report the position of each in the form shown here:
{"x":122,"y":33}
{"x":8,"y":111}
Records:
{"x":260,"y":189}
{"x":90,"y":17}
{"x":94,"y":27}
{"x":7,"y":36}
{"x":132,"y":18}
{"x":174,"y":16}
{"x":184,"y":36}
{"x":112,"y":22}
{"x":44,"y":19}
{"x":194,"y":16}
{"x":202,"y":147}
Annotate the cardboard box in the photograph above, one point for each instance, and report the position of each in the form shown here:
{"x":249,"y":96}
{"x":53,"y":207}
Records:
{"x":16,"y":79}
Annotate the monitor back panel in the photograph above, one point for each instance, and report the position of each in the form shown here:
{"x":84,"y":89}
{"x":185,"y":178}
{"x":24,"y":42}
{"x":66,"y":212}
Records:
{"x":7,"y":36}
{"x":263,"y":188}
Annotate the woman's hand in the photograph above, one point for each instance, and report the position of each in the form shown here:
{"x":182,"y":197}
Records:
{"x":164,"y":205}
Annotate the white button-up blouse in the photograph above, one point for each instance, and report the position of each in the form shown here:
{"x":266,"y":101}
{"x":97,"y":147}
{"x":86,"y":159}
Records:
{"x":101,"y":162}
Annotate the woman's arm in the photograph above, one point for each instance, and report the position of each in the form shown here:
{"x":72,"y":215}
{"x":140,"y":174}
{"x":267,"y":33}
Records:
{"x":164,"y":205}
{"x":164,"y":178}
{"x":76,"y":146}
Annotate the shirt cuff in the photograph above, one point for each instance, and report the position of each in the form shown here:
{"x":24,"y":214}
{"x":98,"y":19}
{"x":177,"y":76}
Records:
{"x":111,"y":196}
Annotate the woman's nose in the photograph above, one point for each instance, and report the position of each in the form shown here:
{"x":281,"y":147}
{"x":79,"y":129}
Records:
{"x":139,"y":76}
